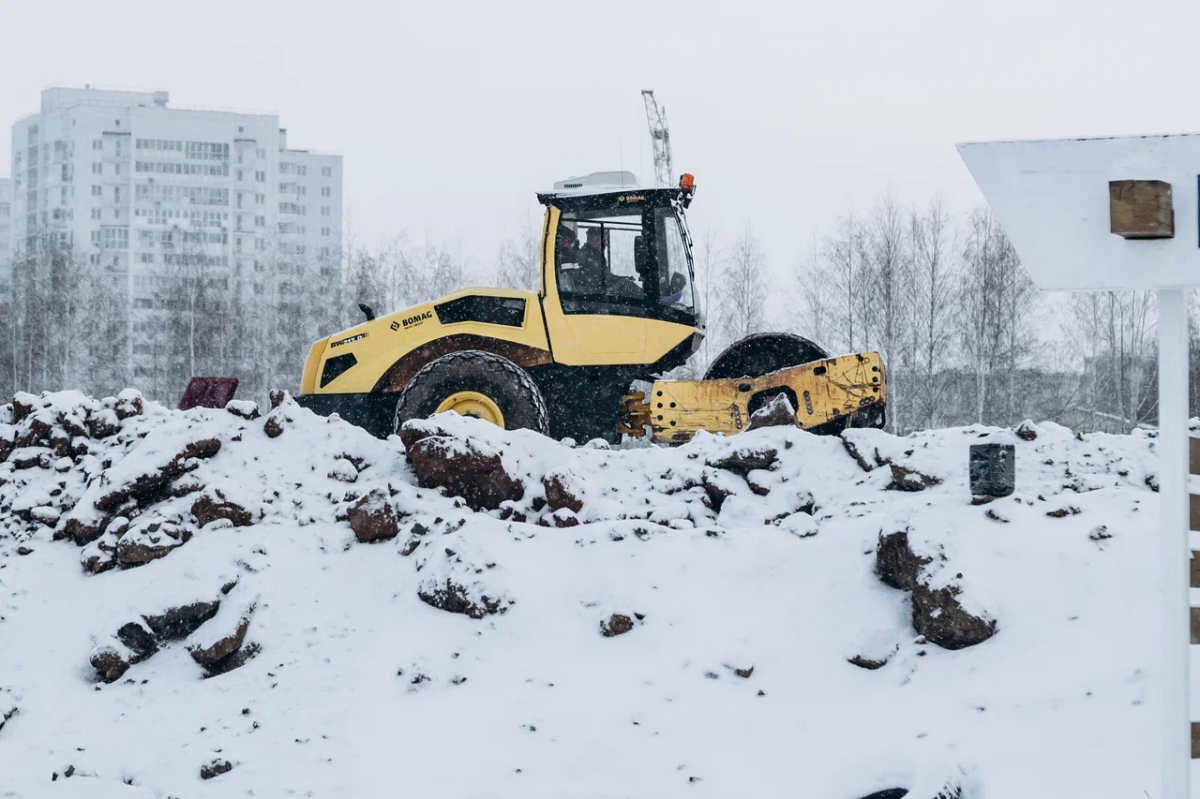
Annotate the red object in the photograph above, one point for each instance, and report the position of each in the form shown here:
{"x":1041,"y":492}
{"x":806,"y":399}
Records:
{"x":208,"y":392}
{"x":687,"y":182}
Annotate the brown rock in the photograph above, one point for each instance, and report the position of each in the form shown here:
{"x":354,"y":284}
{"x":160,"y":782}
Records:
{"x":215,"y":769}
{"x":23,"y":404}
{"x":273,"y":427}
{"x":35,"y":431}
{"x":867,"y":663}
{"x":103,"y":423}
{"x":128,"y":404}
{"x":860,"y":459}
{"x":214,"y":505}
{"x":372,"y":518}
{"x":209,"y":657}
{"x":562,"y":491}
{"x":776,"y":413}
{"x":236,"y":660}
{"x":156,"y":478}
{"x":24,"y":551}
{"x":905,"y":479}
{"x":28,"y":457}
{"x":278,"y":397}
{"x":245,"y":409}
{"x":1026,"y":431}
{"x":178,"y":623}
{"x":561,"y":518}
{"x":718,"y":486}
{"x":72,"y":425}
{"x":150,"y":542}
{"x":895,"y":562}
{"x":182,"y":486}
{"x":109,"y":663}
{"x":85,"y":530}
{"x":415,"y":430}
{"x":100,"y":556}
{"x":616,"y":624}
{"x":746,"y":459}
{"x":60,"y":442}
{"x":453,"y":598}
{"x":464,"y":468}
{"x":939,"y":617}
{"x":140,"y":640}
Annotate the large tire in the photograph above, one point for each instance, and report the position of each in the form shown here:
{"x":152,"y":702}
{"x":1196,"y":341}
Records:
{"x":761,"y":354}
{"x":502,"y":382}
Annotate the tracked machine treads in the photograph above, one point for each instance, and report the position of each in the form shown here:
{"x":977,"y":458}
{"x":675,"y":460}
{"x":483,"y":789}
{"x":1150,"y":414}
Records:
{"x":617,"y":307}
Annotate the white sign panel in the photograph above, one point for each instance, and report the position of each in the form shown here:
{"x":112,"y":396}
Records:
{"x":1052,"y":198}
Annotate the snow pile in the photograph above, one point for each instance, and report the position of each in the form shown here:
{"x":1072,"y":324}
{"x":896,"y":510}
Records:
{"x":218,"y":602}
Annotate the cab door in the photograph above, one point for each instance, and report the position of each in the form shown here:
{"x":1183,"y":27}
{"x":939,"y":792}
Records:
{"x":593,"y":285}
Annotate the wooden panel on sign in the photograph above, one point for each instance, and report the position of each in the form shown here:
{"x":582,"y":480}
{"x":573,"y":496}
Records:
{"x":1194,"y":512}
{"x":1196,"y":625}
{"x":1194,"y":455}
{"x":1195,"y":740}
{"x":1195,"y":570}
{"x":1141,"y":209}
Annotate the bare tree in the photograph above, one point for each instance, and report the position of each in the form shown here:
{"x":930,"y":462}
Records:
{"x":844,"y":257}
{"x":930,"y":296}
{"x":517,"y":260}
{"x":888,"y":272}
{"x":979,"y":311}
{"x":743,"y":287}
{"x":815,"y":296}
{"x":707,"y":258}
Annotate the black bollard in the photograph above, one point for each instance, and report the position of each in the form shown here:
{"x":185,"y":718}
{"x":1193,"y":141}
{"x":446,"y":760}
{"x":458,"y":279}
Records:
{"x":993,"y":469}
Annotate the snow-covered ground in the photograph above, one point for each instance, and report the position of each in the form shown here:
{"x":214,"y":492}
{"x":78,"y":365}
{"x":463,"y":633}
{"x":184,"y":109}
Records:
{"x":740,"y":574}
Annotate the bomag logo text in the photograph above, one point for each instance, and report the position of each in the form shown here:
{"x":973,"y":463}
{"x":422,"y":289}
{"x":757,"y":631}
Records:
{"x":412,"y":320}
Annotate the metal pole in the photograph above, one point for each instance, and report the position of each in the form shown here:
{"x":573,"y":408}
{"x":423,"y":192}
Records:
{"x":1176,"y":550}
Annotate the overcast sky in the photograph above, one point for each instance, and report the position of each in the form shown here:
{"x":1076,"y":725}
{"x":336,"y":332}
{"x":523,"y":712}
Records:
{"x":450,"y":115}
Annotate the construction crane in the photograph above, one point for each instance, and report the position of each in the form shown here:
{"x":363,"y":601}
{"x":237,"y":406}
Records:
{"x":660,"y":137}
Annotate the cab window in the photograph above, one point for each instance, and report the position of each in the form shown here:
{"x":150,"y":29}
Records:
{"x":602,"y":261}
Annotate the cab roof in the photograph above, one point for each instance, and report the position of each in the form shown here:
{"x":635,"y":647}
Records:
{"x":601,"y":184}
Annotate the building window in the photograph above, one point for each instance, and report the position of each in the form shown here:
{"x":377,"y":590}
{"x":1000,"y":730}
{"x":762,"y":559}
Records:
{"x":147,"y":257}
{"x":95,"y":213}
{"x":324,"y":210}
{"x":117,"y":167}
{"x":97,"y":144}
{"x":97,"y":168}
{"x":326,"y":171}
{"x":324,"y":231}
{"x":239,"y":176}
{"x":96,"y":191}
{"x":325,"y":191}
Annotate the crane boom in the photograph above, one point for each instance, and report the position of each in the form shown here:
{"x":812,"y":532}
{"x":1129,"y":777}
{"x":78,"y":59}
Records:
{"x":660,"y":138}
